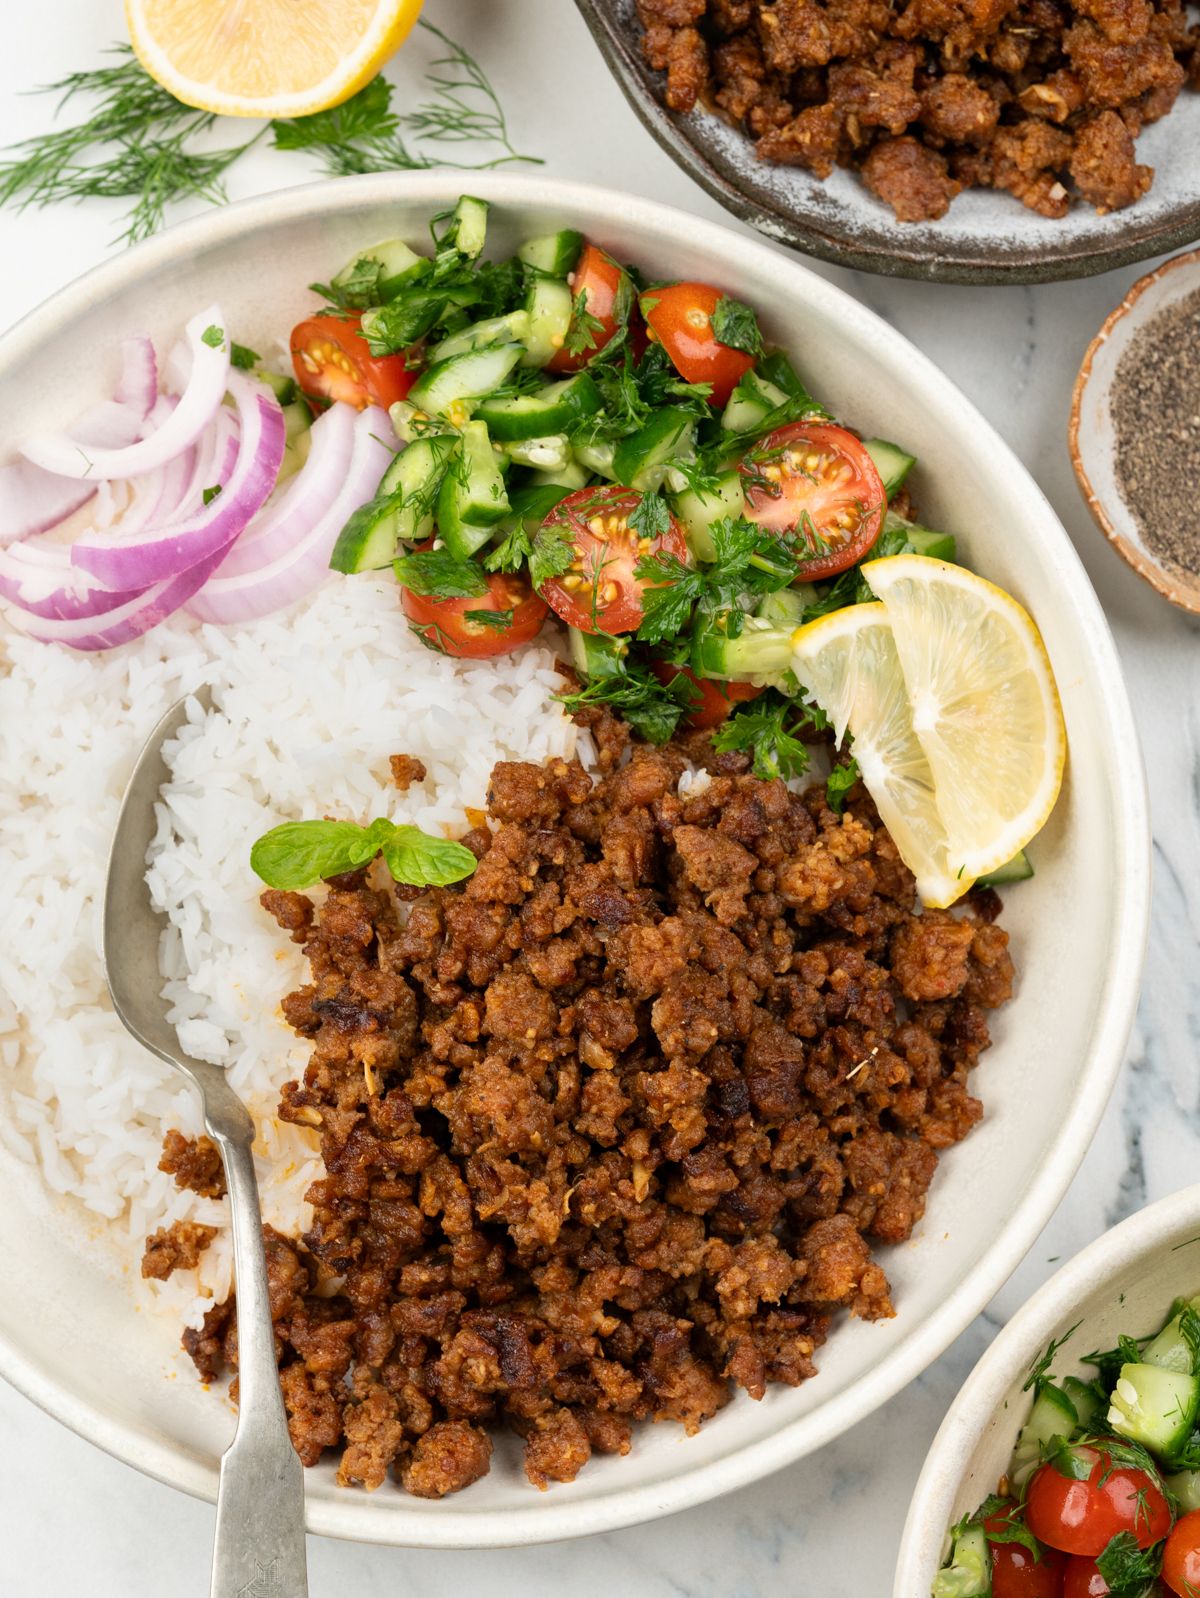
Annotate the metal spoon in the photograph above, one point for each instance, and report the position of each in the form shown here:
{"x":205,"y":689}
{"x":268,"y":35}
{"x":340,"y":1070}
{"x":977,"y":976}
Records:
{"x":259,"y":1547}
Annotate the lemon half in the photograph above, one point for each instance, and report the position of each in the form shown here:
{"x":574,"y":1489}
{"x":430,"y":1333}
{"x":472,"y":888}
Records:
{"x":985,"y":707}
{"x":267,"y":58}
{"x":849,"y":663}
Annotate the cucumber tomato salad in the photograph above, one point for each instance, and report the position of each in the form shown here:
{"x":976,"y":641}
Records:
{"x":628,"y":454}
{"x":1102,"y":1494}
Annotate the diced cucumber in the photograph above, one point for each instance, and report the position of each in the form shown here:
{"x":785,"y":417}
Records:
{"x":597,"y":458}
{"x":549,"y":306}
{"x":555,"y":253}
{"x":399,"y":266}
{"x":786,"y":606}
{"x":1018,"y":869}
{"x":698,"y":512}
{"x":283,"y":388}
{"x":760,"y":652}
{"x":297,"y":434}
{"x":468,"y":226}
{"x":641,"y":461}
{"x":1185,"y":1484}
{"x":571,"y":476}
{"x":1169,"y":1351}
{"x":464,"y":377}
{"x":969,"y":1573}
{"x":777,"y":369}
{"x":1053,"y":1415}
{"x":938,"y":546}
{"x":472,"y":498}
{"x":551,"y":410}
{"x":1154,"y":1407}
{"x":402,"y":510}
{"x":548,"y":454}
{"x":891,"y":462}
{"x":529,"y":508}
{"x":1084,"y":1399}
{"x":750,"y":402}
{"x":510,"y":329}
{"x":597,"y":654}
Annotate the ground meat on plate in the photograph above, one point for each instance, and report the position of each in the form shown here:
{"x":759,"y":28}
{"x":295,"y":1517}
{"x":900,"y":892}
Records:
{"x":926,"y":98}
{"x":610,"y":1128}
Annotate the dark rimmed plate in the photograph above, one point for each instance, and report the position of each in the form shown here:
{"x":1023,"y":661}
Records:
{"x":987,"y":237}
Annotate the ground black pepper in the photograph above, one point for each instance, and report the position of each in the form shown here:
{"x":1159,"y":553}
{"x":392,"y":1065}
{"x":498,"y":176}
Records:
{"x":1155,"y":408}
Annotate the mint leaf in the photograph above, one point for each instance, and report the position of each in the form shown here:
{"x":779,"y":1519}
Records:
{"x":299,"y":853}
{"x":413,"y":857}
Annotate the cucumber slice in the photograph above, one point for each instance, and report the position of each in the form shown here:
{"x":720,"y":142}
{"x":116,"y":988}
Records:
{"x":750,"y":402}
{"x":402,"y":510}
{"x":1053,"y":1415}
{"x":568,"y":477}
{"x":785,"y":607}
{"x":398,"y":266}
{"x":1154,"y":1407}
{"x":549,"y":306}
{"x":283,"y":388}
{"x":698,"y":512}
{"x":554,"y":253}
{"x":938,"y":546}
{"x":467,"y":226}
{"x":472,"y":498}
{"x":1083,"y":1398}
{"x":463,"y":378}
{"x":597,"y":654}
{"x":552,"y":410}
{"x":510,"y":329}
{"x":1169,"y":1351}
{"x":549,"y":454}
{"x":597,"y":458}
{"x":529,"y":508}
{"x":891,"y":462}
{"x":1018,"y":869}
{"x":762,"y":652}
{"x":969,"y":1573}
{"x":641,"y":461}
{"x":1185,"y":1484}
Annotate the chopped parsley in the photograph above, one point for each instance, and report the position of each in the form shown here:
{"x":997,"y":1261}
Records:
{"x":435,"y":574}
{"x":736,"y":326}
{"x":243,"y":358}
{"x":581,"y":334}
{"x":841,"y":780}
{"x":768,"y":728}
{"x":213,"y":336}
{"x":498,"y":620}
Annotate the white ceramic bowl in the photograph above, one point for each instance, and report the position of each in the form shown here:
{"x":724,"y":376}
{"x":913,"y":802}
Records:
{"x":1092,"y":435}
{"x":1146,"y":1262}
{"x":68,"y":1334}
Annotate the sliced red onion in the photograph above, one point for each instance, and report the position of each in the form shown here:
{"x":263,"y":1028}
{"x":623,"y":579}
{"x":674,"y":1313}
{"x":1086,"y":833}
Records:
{"x":215,"y":457}
{"x":128,"y":621}
{"x":39,"y":578}
{"x":303,"y":501}
{"x":138,"y":388}
{"x":155,"y":553}
{"x":58,"y":452}
{"x":304,"y":567}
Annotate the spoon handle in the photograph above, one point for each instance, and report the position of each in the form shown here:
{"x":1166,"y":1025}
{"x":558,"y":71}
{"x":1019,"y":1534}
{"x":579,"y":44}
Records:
{"x":259,"y":1548}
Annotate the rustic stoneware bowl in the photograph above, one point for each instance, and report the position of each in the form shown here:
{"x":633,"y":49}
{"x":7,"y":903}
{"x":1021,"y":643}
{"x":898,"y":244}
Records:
{"x":986,"y":237}
{"x":69,"y":1335}
{"x":1092,"y":435}
{"x":1148,"y":1260}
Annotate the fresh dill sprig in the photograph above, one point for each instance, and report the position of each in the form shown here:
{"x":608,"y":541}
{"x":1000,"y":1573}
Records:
{"x":135,"y":142}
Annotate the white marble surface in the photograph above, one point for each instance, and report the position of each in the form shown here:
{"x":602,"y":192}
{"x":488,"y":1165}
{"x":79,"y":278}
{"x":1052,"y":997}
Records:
{"x":73,"y":1520}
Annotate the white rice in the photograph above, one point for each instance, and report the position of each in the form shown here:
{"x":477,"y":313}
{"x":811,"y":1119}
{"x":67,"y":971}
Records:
{"x":309,"y":705}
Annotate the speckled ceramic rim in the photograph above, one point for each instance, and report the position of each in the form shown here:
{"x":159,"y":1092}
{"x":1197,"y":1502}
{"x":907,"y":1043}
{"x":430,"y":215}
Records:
{"x":1015,"y":1349}
{"x":803,"y":230}
{"x":547,"y":1520}
{"x":1187,"y":597}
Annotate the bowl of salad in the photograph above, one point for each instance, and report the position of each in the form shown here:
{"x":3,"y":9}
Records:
{"x":697,"y":479}
{"x":1069,"y":1464}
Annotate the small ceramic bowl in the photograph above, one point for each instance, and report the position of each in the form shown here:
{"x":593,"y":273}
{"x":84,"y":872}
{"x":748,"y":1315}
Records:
{"x":1092,"y":435}
{"x":1124,"y":1282}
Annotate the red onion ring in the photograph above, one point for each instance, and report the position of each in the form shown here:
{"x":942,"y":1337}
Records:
{"x":39,"y":578}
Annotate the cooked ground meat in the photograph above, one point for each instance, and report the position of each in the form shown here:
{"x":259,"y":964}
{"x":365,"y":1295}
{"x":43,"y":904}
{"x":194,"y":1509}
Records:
{"x":923,"y":97}
{"x":195,"y":1163}
{"x":406,"y":769}
{"x":609,"y":1127}
{"x":181,"y":1246}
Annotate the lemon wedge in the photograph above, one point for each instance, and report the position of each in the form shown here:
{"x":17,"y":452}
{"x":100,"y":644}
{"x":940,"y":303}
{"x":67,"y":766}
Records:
{"x":267,"y":58}
{"x":984,"y":705}
{"x":849,"y":663}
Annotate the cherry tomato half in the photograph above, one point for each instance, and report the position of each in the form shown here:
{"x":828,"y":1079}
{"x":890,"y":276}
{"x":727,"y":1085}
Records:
{"x":598,"y":277}
{"x":599,"y":593}
{"x":451,"y":627}
{"x":1016,"y":1573}
{"x":1181,"y":1556}
{"x":680,"y":317}
{"x":1082,"y":1517}
{"x":1083,"y":1579}
{"x":817,"y":481}
{"x":333,"y":362}
{"x":716,"y":699}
